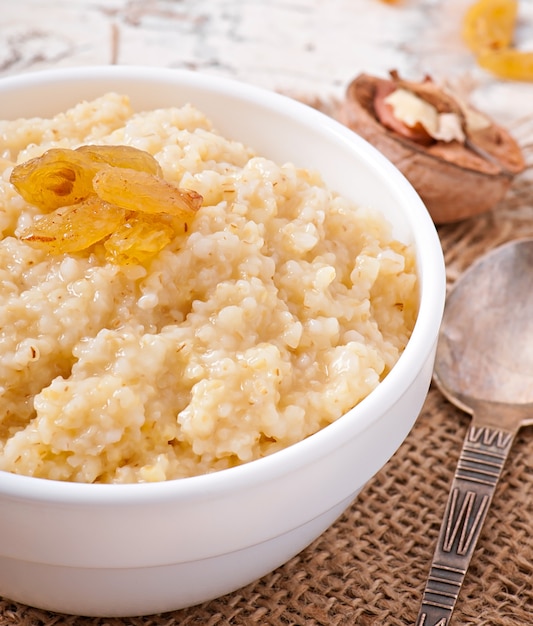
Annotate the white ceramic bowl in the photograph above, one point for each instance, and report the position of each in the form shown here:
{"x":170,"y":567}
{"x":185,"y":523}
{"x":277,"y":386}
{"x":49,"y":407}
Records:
{"x":124,"y":550}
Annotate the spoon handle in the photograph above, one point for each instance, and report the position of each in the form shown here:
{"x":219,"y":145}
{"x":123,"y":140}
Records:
{"x":483,"y":455}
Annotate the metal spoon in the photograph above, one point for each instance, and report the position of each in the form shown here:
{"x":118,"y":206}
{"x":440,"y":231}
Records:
{"x":484,"y":365}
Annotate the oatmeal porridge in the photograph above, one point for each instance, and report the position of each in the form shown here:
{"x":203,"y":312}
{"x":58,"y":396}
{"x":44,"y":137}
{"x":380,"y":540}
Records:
{"x":279,"y":307}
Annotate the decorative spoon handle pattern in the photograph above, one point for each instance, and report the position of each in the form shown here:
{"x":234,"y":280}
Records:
{"x":480,"y":465}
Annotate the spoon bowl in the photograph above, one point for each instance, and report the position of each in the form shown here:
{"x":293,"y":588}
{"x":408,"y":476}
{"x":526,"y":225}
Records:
{"x":484,"y":365}
{"x":484,"y":352}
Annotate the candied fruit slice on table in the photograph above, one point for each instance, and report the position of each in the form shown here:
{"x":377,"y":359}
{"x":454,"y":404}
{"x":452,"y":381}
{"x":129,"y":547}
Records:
{"x":511,"y":64}
{"x":488,"y":30}
{"x":490,"y":24}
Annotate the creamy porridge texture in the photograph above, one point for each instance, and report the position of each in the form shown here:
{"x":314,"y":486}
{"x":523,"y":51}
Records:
{"x":282,"y":307}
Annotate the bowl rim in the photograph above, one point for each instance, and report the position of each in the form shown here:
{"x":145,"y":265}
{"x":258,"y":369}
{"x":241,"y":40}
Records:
{"x":432,"y":287}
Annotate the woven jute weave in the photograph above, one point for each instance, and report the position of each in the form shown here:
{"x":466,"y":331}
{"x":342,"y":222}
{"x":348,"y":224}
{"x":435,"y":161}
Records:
{"x":369,"y":568}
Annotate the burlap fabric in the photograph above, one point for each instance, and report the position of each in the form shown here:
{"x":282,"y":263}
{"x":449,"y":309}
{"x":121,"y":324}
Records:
{"x":369,"y":568}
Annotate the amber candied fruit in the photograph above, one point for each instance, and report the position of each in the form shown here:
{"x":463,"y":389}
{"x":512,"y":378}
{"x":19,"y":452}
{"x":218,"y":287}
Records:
{"x":489,"y":25}
{"x":111,"y":194}
{"x":121,"y":156}
{"x":57,"y":178}
{"x":138,"y":238}
{"x":488,"y":30}
{"x":511,"y":64}
{"x":75,"y":227}
{"x":62,"y":176}
{"x":140,"y":191}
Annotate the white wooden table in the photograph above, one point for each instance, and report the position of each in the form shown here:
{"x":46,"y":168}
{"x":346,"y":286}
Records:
{"x":299,"y":47}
